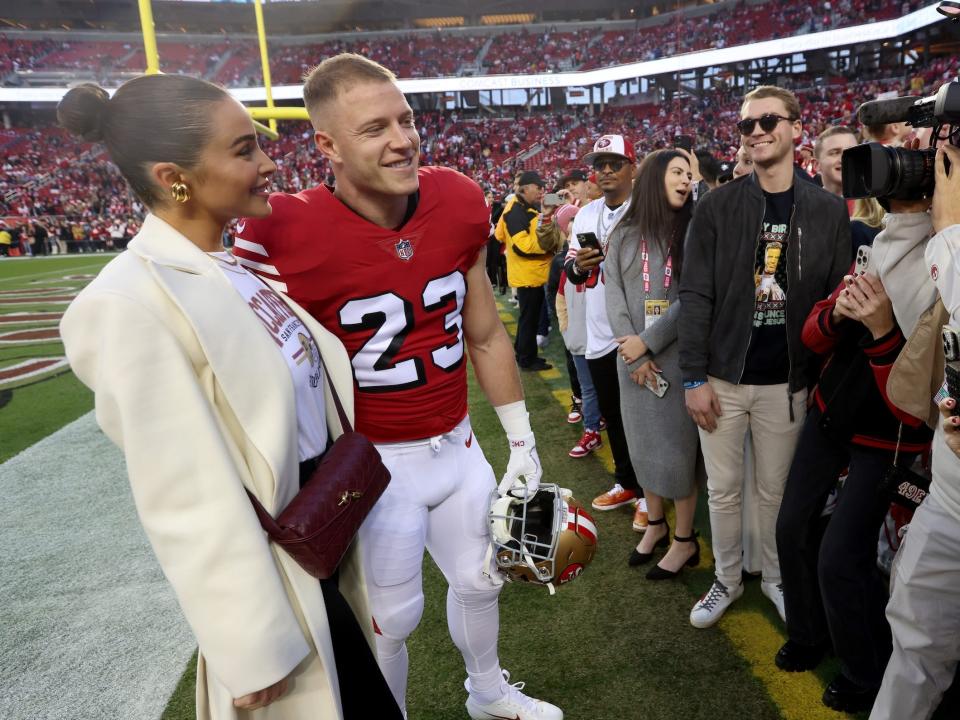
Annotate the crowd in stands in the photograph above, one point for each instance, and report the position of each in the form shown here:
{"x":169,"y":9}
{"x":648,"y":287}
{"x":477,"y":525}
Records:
{"x":46,"y":174}
{"x":443,"y":53}
{"x":767,"y":21}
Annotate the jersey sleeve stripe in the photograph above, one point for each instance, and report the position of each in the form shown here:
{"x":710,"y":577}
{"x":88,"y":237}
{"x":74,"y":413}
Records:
{"x":251,"y":247}
{"x":262,"y":267}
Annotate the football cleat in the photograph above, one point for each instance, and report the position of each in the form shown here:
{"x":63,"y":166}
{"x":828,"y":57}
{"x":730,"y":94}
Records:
{"x":514,"y":705}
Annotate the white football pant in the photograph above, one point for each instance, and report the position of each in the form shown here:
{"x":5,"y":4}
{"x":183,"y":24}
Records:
{"x":438,"y":498}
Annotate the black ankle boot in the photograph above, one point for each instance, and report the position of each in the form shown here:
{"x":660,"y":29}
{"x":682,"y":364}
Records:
{"x":639,"y":558}
{"x":844,"y":695}
{"x":659,"y":573}
{"x":796,"y":657}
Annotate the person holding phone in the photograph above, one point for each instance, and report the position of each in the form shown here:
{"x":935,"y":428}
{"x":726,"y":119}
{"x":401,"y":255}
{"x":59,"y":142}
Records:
{"x":614,"y":162}
{"x":528,"y":265}
{"x":643,"y":262}
{"x":834,"y":594}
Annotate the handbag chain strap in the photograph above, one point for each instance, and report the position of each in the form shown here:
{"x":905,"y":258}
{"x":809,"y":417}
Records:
{"x":896,"y":453}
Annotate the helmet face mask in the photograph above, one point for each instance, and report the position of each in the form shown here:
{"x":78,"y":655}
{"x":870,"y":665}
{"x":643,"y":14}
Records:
{"x":547,"y":539}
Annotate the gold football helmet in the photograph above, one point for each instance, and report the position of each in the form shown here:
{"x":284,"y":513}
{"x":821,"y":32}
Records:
{"x":547,"y":540}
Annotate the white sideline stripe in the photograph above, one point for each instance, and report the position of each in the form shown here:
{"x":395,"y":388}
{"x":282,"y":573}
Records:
{"x":263,"y":267}
{"x":251,"y":246}
{"x":89,"y":627}
{"x":59,"y":271}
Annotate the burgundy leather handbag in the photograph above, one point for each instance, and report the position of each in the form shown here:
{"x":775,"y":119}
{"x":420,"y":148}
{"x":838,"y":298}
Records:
{"x":319,"y":524}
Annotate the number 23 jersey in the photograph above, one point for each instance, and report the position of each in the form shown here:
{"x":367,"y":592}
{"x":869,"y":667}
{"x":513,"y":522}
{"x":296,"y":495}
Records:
{"x":393,"y":297}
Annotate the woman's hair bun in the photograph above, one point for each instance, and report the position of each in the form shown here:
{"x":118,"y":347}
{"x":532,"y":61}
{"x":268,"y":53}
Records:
{"x":82,"y":109}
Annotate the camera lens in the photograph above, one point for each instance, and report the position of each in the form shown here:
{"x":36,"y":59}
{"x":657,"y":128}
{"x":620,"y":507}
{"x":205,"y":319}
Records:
{"x":875,"y":170}
{"x":914,"y":173}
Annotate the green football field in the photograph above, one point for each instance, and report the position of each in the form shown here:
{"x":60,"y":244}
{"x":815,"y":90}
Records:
{"x":609,"y":646}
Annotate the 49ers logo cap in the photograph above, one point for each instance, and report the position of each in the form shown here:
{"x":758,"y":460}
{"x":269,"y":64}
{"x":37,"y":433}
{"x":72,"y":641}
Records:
{"x":612,"y":145}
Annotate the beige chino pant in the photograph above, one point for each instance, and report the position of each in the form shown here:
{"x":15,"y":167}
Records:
{"x":764,"y":410}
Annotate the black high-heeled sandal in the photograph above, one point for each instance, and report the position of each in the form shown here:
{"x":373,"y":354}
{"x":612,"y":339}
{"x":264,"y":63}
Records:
{"x":659,"y":573}
{"x":639,"y":558}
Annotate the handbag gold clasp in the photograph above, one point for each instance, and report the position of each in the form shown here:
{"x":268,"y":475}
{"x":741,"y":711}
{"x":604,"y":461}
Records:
{"x":348,"y":495}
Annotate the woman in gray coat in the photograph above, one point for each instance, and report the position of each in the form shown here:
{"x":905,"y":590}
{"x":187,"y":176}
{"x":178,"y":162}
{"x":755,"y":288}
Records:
{"x":643,"y":263}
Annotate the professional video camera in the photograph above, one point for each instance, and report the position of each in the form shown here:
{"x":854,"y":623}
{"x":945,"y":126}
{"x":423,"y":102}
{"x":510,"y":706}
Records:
{"x":876,"y":170}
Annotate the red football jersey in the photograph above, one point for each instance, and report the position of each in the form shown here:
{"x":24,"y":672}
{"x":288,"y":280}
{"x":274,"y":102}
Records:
{"x":393,"y":297}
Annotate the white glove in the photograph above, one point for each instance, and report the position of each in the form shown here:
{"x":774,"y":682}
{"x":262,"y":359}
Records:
{"x":524,"y":462}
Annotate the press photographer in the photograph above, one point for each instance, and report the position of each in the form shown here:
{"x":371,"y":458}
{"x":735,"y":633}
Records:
{"x":921,"y":274}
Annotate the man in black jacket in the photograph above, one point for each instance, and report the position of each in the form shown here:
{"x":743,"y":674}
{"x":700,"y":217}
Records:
{"x":760,"y":251}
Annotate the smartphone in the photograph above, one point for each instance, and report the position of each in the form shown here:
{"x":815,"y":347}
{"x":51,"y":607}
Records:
{"x":951,"y":353}
{"x":951,"y":344}
{"x":684,"y":142}
{"x":589,"y":240}
{"x":862,"y":261}
{"x":552,"y":199}
{"x":660,"y":388}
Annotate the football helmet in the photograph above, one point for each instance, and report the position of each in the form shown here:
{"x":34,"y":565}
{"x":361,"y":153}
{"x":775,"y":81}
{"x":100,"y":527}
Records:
{"x":548,"y":539}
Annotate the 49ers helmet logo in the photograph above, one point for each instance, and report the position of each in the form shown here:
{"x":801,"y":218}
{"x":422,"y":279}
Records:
{"x":404,"y":249}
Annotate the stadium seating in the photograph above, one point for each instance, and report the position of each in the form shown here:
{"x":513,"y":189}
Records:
{"x":443,"y":53}
{"x":46,"y":173}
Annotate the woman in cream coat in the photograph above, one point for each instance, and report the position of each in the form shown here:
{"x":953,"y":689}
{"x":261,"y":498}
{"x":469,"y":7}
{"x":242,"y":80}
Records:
{"x":194,"y":390}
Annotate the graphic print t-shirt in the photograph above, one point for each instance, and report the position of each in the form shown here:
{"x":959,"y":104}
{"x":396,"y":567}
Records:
{"x":768,"y":360}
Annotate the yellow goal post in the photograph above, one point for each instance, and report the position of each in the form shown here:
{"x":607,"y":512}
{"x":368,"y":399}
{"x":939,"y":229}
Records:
{"x":271,"y":113}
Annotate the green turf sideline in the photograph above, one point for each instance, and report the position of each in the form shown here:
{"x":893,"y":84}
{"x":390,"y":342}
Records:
{"x":90,"y":629}
{"x":35,"y":407}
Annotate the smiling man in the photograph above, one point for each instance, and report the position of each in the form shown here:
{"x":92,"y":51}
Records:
{"x":392,"y":262}
{"x":741,"y":356}
{"x":828,"y":150}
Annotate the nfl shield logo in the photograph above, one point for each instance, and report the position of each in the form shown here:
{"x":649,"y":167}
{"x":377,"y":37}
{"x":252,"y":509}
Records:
{"x":404,"y":249}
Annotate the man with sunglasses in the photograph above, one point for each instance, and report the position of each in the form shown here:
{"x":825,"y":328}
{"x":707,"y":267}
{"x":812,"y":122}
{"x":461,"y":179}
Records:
{"x":614,"y":162}
{"x":744,"y":365}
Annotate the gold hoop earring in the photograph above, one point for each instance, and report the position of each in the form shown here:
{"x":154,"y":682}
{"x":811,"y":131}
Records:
{"x":180,"y":192}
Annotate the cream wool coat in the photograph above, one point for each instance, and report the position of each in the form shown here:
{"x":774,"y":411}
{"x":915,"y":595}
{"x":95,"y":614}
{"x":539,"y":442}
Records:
{"x":191,"y":387}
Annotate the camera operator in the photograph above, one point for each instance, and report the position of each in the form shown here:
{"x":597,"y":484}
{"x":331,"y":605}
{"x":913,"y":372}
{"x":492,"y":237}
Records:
{"x":924,"y":608}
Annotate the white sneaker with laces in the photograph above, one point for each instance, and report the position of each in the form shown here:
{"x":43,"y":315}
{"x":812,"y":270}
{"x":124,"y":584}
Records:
{"x":711,"y":607}
{"x":774,"y":591}
{"x":514,"y":705}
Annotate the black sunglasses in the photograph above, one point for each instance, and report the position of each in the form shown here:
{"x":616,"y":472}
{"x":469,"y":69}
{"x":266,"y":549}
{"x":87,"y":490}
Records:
{"x":615,"y":164}
{"x":767,"y":123}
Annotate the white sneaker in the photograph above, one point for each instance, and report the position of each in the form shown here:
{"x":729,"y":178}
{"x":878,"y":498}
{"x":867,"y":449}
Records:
{"x":774,"y":591}
{"x":514,"y":705}
{"x":714,"y":604}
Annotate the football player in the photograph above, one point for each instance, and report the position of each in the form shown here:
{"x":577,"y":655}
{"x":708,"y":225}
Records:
{"x":392,"y":261}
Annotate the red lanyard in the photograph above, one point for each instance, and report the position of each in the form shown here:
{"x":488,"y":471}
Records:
{"x":667,"y":271}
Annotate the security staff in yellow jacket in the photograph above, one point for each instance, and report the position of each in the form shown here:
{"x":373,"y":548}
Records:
{"x":528,"y":265}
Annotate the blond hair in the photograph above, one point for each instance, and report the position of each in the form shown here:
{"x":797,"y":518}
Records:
{"x":830,"y":132}
{"x":868,"y":211}
{"x":336,"y":74}
{"x":788,"y":99}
